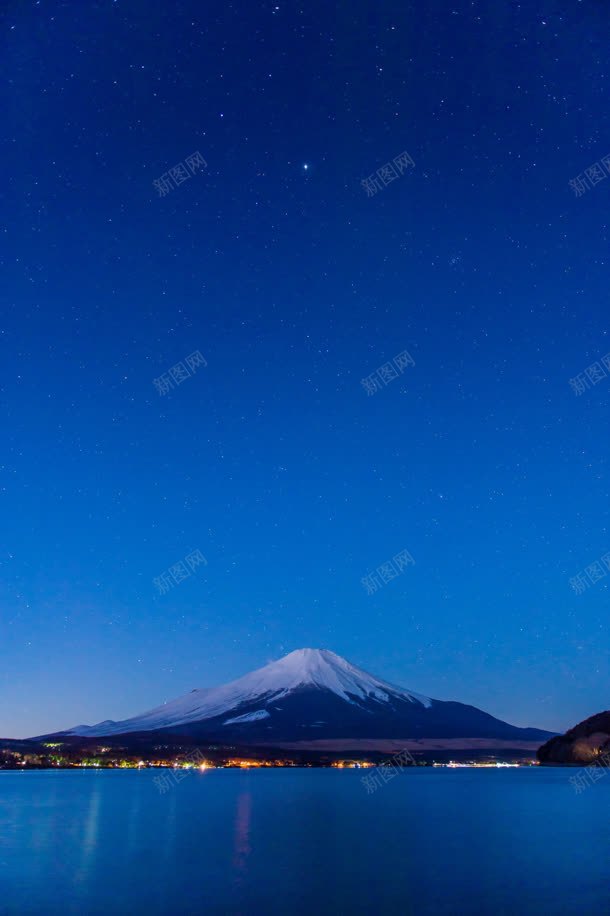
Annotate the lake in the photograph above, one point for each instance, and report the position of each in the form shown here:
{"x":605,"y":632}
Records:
{"x":515,"y":841}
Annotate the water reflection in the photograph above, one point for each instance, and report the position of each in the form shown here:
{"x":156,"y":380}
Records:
{"x":241,"y":849}
{"x":170,"y":828}
{"x":90,"y":833}
{"x":134,"y":816}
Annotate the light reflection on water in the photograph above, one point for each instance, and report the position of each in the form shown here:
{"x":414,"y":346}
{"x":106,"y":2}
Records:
{"x":242,"y":834}
{"x":90,"y":836}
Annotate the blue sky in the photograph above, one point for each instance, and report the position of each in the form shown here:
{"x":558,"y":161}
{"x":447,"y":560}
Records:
{"x":271,"y":460}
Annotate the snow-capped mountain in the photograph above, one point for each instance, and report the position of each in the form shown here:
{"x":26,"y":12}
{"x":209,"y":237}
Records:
{"x":317,"y":668}
{"x":307,"y":695}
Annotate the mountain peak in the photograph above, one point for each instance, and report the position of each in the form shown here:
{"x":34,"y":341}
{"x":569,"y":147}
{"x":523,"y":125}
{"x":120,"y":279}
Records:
{"x":311,"y":657}
{"x":307,"y":666}
{"x":308,"y":651}
{"x":329,"y":671}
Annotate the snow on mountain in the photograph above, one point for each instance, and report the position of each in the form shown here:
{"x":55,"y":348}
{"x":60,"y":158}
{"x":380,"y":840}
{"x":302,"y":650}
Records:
{"x":317,"y":668}
{"x":185,"y":708}
{"x":248,"y":717}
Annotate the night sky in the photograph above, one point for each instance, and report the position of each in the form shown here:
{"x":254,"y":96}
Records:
{"x":293,"y":281}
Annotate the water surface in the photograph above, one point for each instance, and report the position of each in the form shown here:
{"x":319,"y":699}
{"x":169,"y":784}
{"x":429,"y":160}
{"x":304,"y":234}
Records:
{"x":298,"y":841}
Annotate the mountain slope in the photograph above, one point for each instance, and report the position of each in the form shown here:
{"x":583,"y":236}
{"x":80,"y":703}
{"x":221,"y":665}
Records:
{"x":307,"y":695}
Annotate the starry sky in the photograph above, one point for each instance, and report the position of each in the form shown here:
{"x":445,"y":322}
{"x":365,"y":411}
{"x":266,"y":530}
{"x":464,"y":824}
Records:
{"x":293,"y":280}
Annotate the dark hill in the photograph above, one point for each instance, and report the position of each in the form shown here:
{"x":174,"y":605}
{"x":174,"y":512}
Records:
{"x":581,"y":744}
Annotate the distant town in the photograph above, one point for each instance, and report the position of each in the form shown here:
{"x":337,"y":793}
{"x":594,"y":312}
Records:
{"x":56,"y":754}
